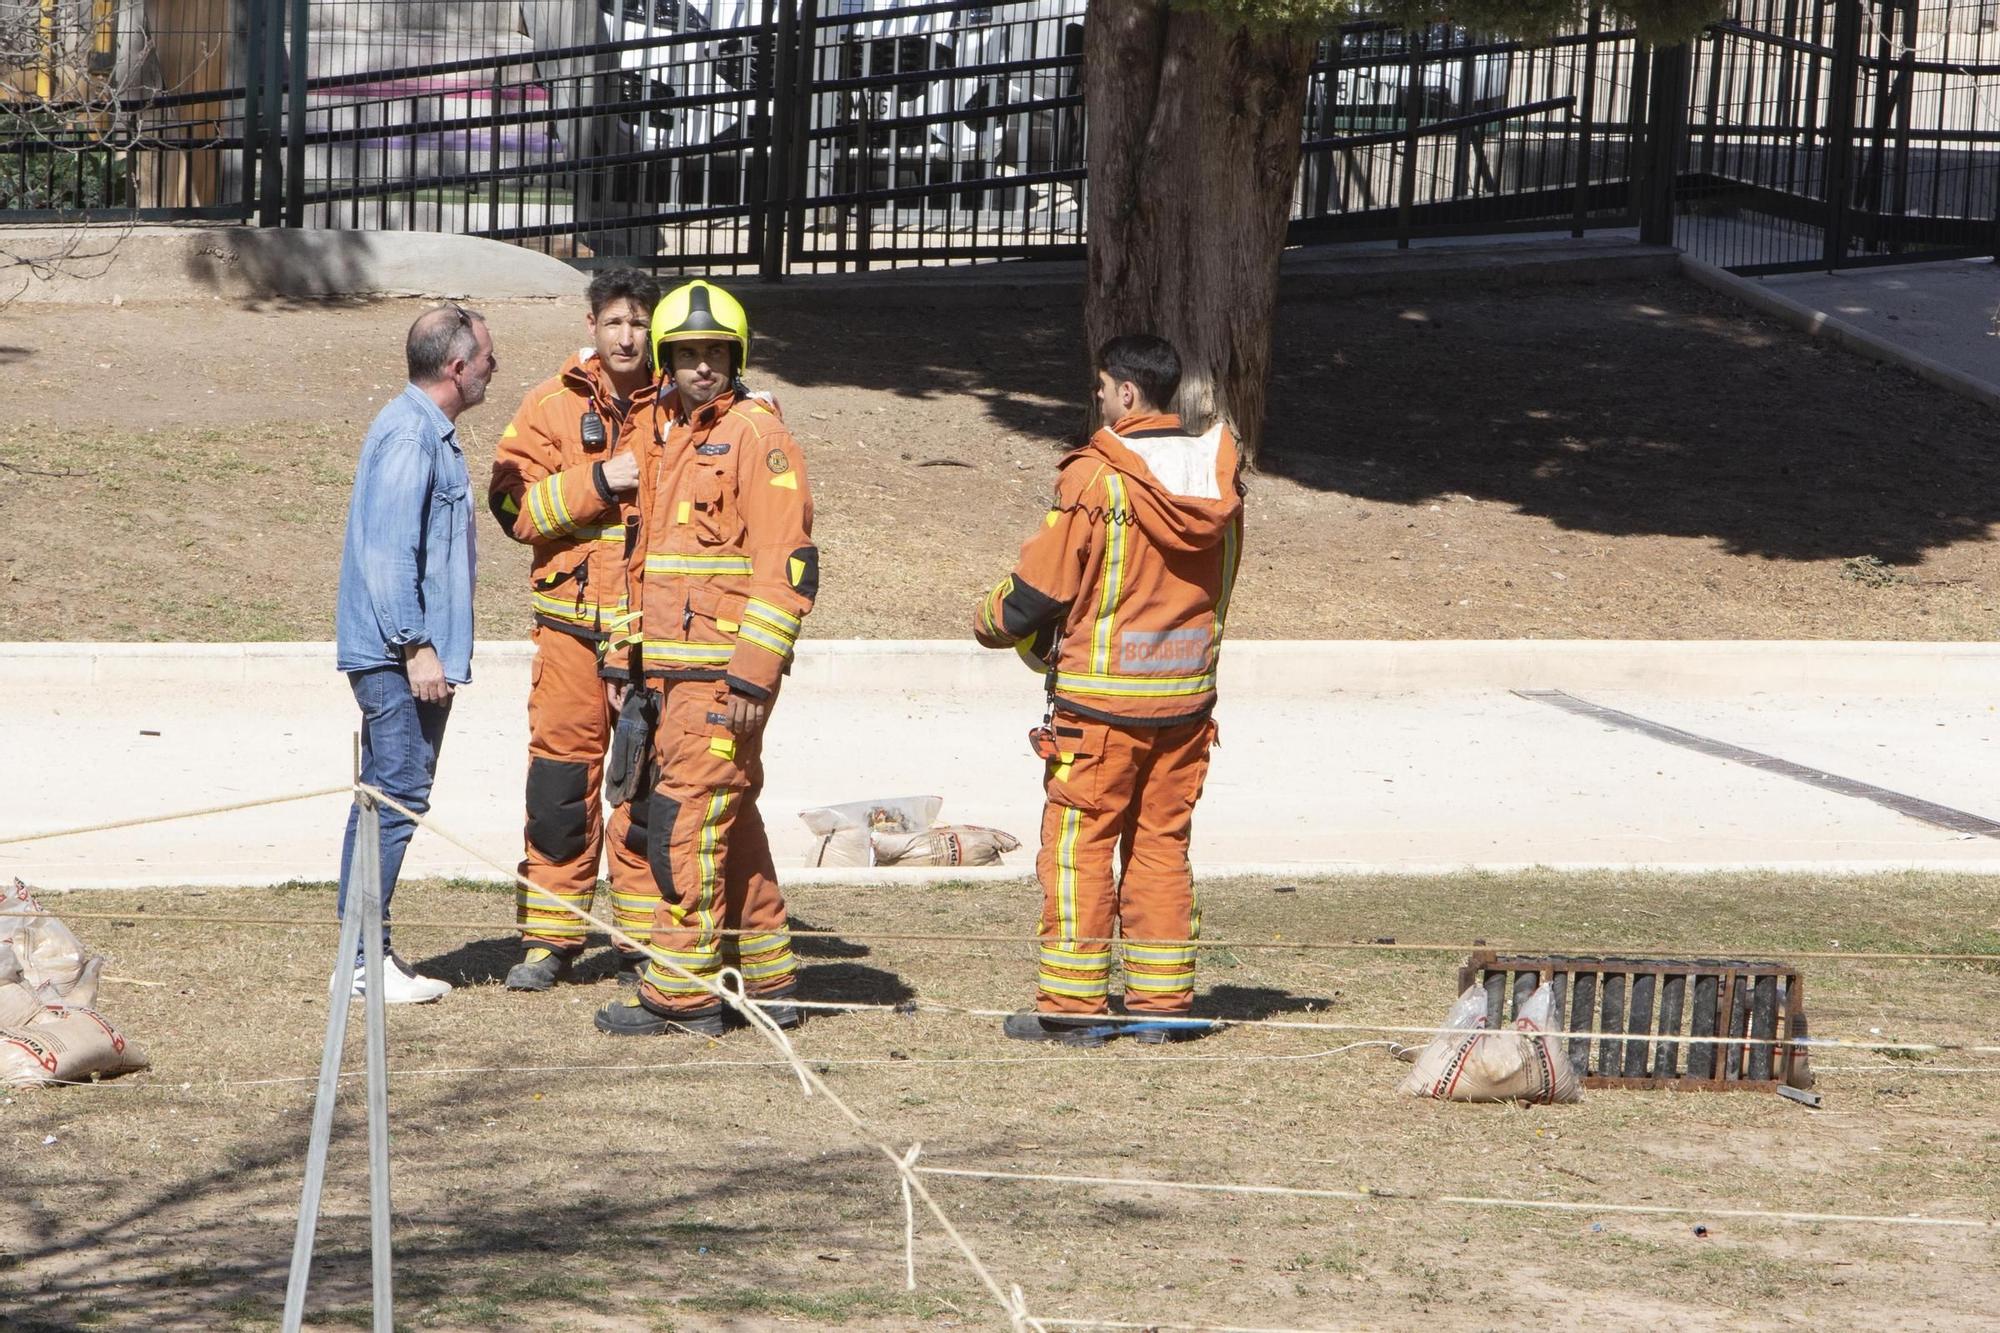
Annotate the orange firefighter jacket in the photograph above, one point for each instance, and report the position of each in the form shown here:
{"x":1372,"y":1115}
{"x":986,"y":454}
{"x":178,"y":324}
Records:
{"x":725,"y":563}
{"x":548,"y":491}
{"x":1122,"y":594}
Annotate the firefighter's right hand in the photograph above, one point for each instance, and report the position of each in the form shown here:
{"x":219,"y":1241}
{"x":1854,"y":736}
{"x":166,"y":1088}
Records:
{"x":614,"y":694}
{"x":426,"y":675}
{"x":621,"y":471}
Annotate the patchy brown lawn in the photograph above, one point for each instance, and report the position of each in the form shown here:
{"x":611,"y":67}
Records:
{"x":547,"y":1177}
{"x":1615,"y":460}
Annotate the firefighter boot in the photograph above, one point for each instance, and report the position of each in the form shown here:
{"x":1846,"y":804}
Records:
{"x":539,"y":969}
{"x":629,"y":1016}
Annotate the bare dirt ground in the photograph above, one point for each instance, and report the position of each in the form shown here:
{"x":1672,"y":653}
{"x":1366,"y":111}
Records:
{"x":1615,"y":460}
{"x":547,"y":1177}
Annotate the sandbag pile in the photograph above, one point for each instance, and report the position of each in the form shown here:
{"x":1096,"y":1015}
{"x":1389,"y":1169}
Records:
{"x":49,"y":1031}
{"x":1466,"y":1062}
{"x":900,"y":832}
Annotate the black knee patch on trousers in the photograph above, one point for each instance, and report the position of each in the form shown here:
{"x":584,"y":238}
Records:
{"x":558,"y":816}
{"x":635,"y":831}
{"x":663,"y":813}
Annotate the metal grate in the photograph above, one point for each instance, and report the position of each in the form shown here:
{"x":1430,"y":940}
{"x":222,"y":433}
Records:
{"x":1623,"y":1002}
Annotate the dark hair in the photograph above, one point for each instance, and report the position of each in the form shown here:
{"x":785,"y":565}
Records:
{"x":623,"y":284}
{"x":439,"y":336}
{"x":1148,"y":362}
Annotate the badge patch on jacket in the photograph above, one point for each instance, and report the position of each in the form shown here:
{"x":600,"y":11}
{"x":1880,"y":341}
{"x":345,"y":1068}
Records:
{"x":712,"y":450}
{"x":777,"y":462}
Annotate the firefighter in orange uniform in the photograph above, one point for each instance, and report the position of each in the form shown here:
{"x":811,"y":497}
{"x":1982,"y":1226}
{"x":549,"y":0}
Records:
{"x":1121,"y":597}
{"x":727,"y":570}
{"x":564,"y":481}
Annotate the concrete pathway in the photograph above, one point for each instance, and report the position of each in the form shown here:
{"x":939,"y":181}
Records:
{"x":1946,"y":312}
{"x":1338,"y":756}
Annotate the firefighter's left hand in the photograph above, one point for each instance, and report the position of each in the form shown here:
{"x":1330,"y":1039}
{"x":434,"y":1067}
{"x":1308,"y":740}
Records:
{"x":746,"y":715}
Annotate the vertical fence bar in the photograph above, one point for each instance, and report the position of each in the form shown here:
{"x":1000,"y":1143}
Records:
{"x":1840,"y":125}
{"x":1406,"y":188}
{"x":1586,"y":122}
{"x":251,"y":60}
{"x":295,"y":116}
{"x":783,"y":96}
{"x":1666,"y":123}
{"x":270,"y":175}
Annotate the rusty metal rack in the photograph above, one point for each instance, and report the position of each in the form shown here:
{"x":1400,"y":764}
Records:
{"x":1623,"y":1002}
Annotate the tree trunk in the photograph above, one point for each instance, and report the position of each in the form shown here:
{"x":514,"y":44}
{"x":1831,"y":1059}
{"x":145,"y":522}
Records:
{"x":1194,"y":130}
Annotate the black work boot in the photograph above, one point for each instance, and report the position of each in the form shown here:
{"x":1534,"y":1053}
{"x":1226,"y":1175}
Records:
{"x":778,"y":1010}
{"x":631,"y":966}
{"x":629,"y":1016}
{"x":1068,"y":1029}
{"x":539,"y":969}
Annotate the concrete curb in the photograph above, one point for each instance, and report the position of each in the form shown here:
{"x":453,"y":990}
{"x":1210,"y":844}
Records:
{"x":1253,"y":668}
{"x":1819,"y":324}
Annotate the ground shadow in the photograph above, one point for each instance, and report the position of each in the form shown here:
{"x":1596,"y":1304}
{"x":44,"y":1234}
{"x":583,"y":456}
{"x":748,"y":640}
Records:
{"x":1629,"y":410}
{"x":1255,"y":1002}
{"x":1624,"y":407}
{"x":850,"y":983}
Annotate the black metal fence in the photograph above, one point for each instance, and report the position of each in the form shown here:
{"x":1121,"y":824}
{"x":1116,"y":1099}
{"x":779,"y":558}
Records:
{"x":1837,"y":133}
{"x":808,"y":135}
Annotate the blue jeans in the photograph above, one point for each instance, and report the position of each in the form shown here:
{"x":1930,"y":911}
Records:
{"x":400,"y":740}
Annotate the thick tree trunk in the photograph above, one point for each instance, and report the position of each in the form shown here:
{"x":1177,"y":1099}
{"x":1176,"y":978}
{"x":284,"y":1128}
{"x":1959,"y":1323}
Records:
{"x":1194,"y":147}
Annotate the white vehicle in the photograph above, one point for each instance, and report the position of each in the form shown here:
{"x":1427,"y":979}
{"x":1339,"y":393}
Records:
{"x":871,"y":130}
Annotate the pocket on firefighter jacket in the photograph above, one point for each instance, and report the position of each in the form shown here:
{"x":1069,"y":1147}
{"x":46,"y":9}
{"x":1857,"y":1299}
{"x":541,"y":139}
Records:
{"x":712,"y":511}
{"x":700,"y":750}
{"x":1074,"y":771}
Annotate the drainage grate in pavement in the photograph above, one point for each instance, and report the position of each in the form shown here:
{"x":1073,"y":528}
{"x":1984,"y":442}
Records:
{"x":1959,"y":821}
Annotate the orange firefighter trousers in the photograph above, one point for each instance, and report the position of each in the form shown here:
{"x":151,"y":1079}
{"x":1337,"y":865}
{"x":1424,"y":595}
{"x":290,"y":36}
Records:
{"x":1115,"y":854}
{"x":706,"y":842}
{"x":569,"y":729}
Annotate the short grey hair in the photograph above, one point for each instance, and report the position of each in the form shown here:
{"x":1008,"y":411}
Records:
{"x":437,"y":337}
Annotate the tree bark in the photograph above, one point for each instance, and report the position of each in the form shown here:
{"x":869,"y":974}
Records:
{"x":1194,"y":129}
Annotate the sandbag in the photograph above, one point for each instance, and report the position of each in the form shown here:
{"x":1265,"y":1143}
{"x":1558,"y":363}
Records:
{"x":18,"y":1004}
{"x":943,"y":845}
{"x":66,"y":1045}
{"x":841,"y":832}
{"x":51,"y":959}
{"x":1467,"y":1063}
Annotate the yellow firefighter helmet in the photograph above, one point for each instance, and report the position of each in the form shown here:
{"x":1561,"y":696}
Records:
{"x":699,"y":311}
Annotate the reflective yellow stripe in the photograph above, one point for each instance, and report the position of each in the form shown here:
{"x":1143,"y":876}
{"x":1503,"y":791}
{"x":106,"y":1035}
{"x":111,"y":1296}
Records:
{"x":1072,"y":826}
{"x":579,"y":613}
{"x":776,"y":617}
{"x":1113,"y":591}
{"x":1076,"y":960}
{"x":602,"y":532}
{"x":1071,"y":986}
{"x":704,"y":654}
{"x":548,"y":509}
{"x":1159,"y":953}
{"x":766,"y":640}
{"x":708,"y":866}
{"x":1134,"y":981}
{"x":1230,"y":542}
{"x":703,"y":566}
{"x":1134,"y":687}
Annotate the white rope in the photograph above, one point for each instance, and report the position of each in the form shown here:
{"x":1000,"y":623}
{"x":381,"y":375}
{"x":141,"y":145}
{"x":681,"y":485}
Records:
{"x":1466,"y":1200}
{"x":1161,"y":1326}
{"x":759,"y":1022}
{"x":9,"y":839}
{"x":909,"y":1221}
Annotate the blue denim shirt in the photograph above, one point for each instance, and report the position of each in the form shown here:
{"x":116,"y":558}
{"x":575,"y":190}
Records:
{"x":407,"y":568}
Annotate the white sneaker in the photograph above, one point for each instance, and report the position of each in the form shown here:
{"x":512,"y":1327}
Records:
{"x":402,"y":986}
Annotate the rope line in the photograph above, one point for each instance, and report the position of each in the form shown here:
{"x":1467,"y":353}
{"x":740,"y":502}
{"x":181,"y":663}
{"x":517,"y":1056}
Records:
{"x":1372,"y":1195}
{"x":754,"y":1015}
{"x":1157,"y":1326}
{"x":10,"y":839}
{"x":941,"y":937}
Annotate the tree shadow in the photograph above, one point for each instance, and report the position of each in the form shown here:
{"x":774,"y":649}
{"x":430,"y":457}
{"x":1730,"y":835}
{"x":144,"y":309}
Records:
{"x":1628,"y":410}
{"x":1627,"y":406}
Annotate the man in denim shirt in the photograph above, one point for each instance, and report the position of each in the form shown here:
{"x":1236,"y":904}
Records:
{"x":404,"y":621}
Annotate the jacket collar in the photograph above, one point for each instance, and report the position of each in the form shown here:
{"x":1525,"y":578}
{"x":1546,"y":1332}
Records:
{"x":1133,"y":423}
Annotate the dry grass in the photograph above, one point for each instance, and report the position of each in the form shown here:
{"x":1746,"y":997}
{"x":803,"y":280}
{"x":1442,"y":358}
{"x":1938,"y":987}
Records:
{"x":542,"y":1181}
